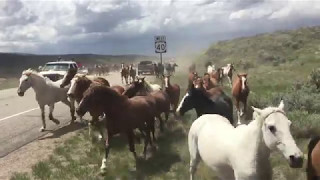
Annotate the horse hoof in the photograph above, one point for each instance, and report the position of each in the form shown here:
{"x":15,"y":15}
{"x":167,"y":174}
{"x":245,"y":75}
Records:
{"x":42,"y":129}
{"x":103,"y":171}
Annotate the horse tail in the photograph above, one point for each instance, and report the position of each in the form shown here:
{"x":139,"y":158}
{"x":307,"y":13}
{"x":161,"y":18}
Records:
{"x":313,"y":142}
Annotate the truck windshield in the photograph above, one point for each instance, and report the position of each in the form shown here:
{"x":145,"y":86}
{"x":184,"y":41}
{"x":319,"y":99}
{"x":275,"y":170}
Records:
{"x":145,"y":62}
{"x":56,"y":67}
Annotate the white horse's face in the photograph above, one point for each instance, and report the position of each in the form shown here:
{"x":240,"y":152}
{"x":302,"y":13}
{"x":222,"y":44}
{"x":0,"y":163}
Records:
{"x":166,"y":81}
{"x":73,"y":86}
{"x":24,"y":84}
{"x":277,"y":136}
{"x":243,"y":82}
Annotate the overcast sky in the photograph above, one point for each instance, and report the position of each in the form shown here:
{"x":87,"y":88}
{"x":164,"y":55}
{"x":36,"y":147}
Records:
{"x":128,"y":27}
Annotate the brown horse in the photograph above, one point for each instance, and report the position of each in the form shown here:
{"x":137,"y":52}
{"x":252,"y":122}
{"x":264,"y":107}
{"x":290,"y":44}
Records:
{"x":68,"y":77}
{"x":160,"y":98}
{"x":123,"y":115}
{"x":132,"y":74}
{"x":240,"y":93}
{"x":209,"y":82}
{"x":79,"y":85}
{"x":124,"y":73}
{"x":173,"y":91}
{"x":313,"y":165}
{"x":216,"y":76}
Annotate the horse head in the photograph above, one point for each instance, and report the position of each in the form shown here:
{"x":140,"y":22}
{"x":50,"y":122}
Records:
{"x":166,"y":79}
{"x":276,"y":133}
{"x":25,"y":82}
{"x":243,"y":81}
{"x":194,"y":98}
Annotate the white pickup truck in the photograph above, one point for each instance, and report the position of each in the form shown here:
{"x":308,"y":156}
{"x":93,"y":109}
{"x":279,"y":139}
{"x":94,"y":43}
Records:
{"x":57,"y":70}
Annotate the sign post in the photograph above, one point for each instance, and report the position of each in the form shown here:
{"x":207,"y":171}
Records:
{"x":160,"y":46}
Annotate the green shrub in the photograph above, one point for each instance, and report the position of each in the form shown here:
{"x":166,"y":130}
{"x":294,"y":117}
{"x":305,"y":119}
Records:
{"x":315,"y":77}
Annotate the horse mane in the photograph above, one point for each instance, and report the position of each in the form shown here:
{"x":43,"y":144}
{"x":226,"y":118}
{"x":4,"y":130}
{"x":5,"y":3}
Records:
{"x":312,"y":143}
{"x":148,"y":86}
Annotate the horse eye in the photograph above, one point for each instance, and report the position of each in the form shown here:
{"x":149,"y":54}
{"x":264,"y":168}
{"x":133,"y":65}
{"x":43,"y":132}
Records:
{"x":272,"y":129}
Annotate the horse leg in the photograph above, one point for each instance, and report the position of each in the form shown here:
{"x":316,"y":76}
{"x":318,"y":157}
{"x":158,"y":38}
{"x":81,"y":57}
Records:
{"x":194,"y":155}
{"x":43,"y":119}
{"x":130,"y":136}
{"x":51,"y":108}
{"x":230,"y":83}
{"x":238,"y":111}
{"x":161,"y":124}
{"x":147,"y":140}
{"x":72,"y":109}
{"x":103,"y":167}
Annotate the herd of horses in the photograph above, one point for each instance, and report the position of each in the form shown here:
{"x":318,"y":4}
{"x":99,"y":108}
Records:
{"x":233,"y":150}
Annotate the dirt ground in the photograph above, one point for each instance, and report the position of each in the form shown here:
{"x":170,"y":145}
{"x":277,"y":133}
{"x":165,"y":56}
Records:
{"x":21,"y":160}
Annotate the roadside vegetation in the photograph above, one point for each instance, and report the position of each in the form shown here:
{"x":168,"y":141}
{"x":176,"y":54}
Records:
{"x":279,"y":65}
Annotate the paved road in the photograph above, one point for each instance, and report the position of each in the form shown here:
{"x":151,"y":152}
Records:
{"x":20,"y":119}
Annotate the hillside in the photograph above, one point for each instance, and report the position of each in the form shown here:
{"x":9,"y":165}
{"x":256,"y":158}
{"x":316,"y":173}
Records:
{"x":11,"y":64}
{"x":278,"y":47}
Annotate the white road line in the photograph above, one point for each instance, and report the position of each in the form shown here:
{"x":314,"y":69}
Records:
{"x":8,"y":117}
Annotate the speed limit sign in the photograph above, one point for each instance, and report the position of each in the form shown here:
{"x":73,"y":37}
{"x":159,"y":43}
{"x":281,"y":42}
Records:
{"x":160,"y":44}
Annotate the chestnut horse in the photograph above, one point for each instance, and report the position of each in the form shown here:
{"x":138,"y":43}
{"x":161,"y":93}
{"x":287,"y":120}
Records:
{"x":313,"y":165}
{"x":173,"y":91}
{"x":240,"y":93}
{"x":216,"y":76}
{"x":123,"y":116}
{"x":208,"y":81}
{"x":191,"y":77}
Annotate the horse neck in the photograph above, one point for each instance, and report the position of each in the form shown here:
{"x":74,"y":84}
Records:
{"x":39,"y":83}
{"x":148,"y":86}
{"x":260,"y":152}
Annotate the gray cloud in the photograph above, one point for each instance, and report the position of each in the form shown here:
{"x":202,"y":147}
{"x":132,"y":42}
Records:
{"x":128,"y":27}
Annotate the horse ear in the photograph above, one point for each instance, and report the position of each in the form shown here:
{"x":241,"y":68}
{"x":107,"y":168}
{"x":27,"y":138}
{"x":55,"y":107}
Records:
{"x":281,"y":105}
{"x":257,"y":110}
{"x":238,"y":75}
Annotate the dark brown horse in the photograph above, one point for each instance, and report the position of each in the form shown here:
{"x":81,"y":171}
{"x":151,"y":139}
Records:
{"x":132,"y":74}
{"x":123,"y":115}
{"x":240,"y":93}
{"x":213,"y":101}
{"x":160,"y":98}
{"x":124,"y":73}
{"x":313,"y":165}
{"x":173,"y":91}
{"x":68,"y":77}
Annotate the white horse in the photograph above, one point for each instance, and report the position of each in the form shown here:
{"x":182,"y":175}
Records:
{"x":150,"y":87}
{"x":47,"y":93}
{"x":242,"y":153}
{"x":227,"y":72}
{"x":211,"y":69}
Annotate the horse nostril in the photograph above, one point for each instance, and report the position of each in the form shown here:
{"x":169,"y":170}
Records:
{"x":296,"y":162}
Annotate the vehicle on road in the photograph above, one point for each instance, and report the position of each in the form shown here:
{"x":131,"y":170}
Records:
{"x":146,"y":67}
{"x":56,"y":70}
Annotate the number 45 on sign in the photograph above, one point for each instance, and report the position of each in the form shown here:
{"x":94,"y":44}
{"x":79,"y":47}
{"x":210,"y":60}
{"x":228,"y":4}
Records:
{"x":160,"y":44}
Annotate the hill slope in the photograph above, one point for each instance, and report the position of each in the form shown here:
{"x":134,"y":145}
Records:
{"x":12,"y":64}
{"x":278,"y":47}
